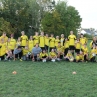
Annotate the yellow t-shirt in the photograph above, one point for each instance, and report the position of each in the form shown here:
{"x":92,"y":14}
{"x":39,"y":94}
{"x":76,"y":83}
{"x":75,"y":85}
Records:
{"x":8,"y":45}
{"x":2,"y":49}
{"x":71,"y":40}
{"x":56,"y":42}
{"x":93,"y":51}
{"x":36,"y":39}
{"x":62,"y":40}
{"x":77,"y":45}
{"x":25,"y":51}
{"x":83,"y":40}
{"x":13,"y":44}
{"x":31,"y":45}
{"x":60,"y":49}
{"x":24,"y":40}
{"x":46,"y":41}
{"x":52,"y":42}
{"x":5,"y":38}
{"x":85,"y":50}
{"x":66,"y":44}
{"x":41,"y":41}
{"x":43,"y":55}
{"x":53,"y":54}
{"x":69,"y":55}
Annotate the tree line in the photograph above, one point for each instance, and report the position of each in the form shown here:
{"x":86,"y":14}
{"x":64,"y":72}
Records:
{"x":30,"y":16}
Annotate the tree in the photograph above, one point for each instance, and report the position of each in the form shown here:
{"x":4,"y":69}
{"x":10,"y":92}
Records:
{"x":5,"y":27}
{"x":22,"y":15}
{"x":51,"y":23}
{"x":69,"y":16}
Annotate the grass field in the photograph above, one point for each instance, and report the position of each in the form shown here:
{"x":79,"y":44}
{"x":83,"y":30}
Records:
{"x":37,"y":79}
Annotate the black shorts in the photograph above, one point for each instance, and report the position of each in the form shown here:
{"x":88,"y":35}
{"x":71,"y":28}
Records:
{"x":77,"y":51}
{"x":2,"y":57}
{"x":71,"y":47}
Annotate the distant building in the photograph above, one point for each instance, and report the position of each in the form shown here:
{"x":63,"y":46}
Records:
{"x":89,"y":31}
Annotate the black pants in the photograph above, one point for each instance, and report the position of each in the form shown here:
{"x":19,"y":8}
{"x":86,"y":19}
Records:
{"x":2,"y":57}
{"x":93,"y":59}
{"x":66,"y":51}
{"x":46,"y":47}
{"x":85,"y":58}
{"x":19,"y":55}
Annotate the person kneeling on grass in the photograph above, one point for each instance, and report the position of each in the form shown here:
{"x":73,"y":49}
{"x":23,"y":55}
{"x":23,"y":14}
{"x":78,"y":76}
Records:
{"x":93,"y":54}
{"x":36,"y":52}
{"x":53,"y":55}
{"x":79,"y":57}
{"x":60,"y":51}
{"x":43,"y":56}
{"x":18,"y":53}
{"x":8,"y":54}
{"x":25,"y":53}
{"x":69,"y":56}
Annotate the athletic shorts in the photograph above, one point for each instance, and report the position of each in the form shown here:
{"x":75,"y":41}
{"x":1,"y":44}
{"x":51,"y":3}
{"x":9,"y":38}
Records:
{"x":72,"y":47}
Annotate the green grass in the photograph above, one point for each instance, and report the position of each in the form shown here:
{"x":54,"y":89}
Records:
{"x":37,"y":79}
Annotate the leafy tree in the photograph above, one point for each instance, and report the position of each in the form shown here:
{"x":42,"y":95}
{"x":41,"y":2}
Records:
{"x":5,"y":27}
{"x":69,"y":16}
{"x":51,"y":23}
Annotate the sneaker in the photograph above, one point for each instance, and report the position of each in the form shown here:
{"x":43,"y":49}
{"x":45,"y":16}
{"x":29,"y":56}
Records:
{"x":20,"y":59}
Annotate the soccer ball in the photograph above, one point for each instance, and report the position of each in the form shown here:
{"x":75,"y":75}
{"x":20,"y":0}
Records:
{"x":14,"y":72}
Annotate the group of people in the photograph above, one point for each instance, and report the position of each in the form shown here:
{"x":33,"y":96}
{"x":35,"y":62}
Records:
{"x":42,"y":47}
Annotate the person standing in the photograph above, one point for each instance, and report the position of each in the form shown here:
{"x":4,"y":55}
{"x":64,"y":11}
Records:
{"x":24,"y":39}
{"x":72,"y":39}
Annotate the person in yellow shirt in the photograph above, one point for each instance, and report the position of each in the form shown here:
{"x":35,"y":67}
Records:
{"x":79,"y":57}
{"x":86,"y":51}
{"x":57,"y":40}
{"x":93,"y":42}
{"x":4,"y":37}
{"x":52,"y":42}
{"x":62,"y":40}
{"x":53,"y":55}
{"x":25,"y":53}
{"x":2,"y":49}
{"x":69,"y":56}
{"x":30,"y":43}
{"x":43,"y":56}
{"x":24,"y":39}
{"x":60,"y":51}
{"x":42,"y":41}
{"x":72,"y":39}
{"x":83,"y":40}
{"x":77,"y":46}
{"x":36,"y":38}
{"x":46,"y":42}
{"x":66,"y":46}
{"x":93,"y":54}
{"x":8,"y":44}
{"x":12,"y":43}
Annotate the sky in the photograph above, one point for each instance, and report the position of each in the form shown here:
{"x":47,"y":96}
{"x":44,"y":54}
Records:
{"x":87,"y":10}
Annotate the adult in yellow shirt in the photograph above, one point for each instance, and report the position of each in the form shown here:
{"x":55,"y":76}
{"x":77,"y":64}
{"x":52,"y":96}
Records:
{"x":36,"y":38}
{"x":46,"y":42}
{"x":52,"y":42}
{"x":24,"y":39}
{"x":42,"y":41}
{"x":72,"y":39}
{"x":31,"y":43}
{"x":4,"y":37}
